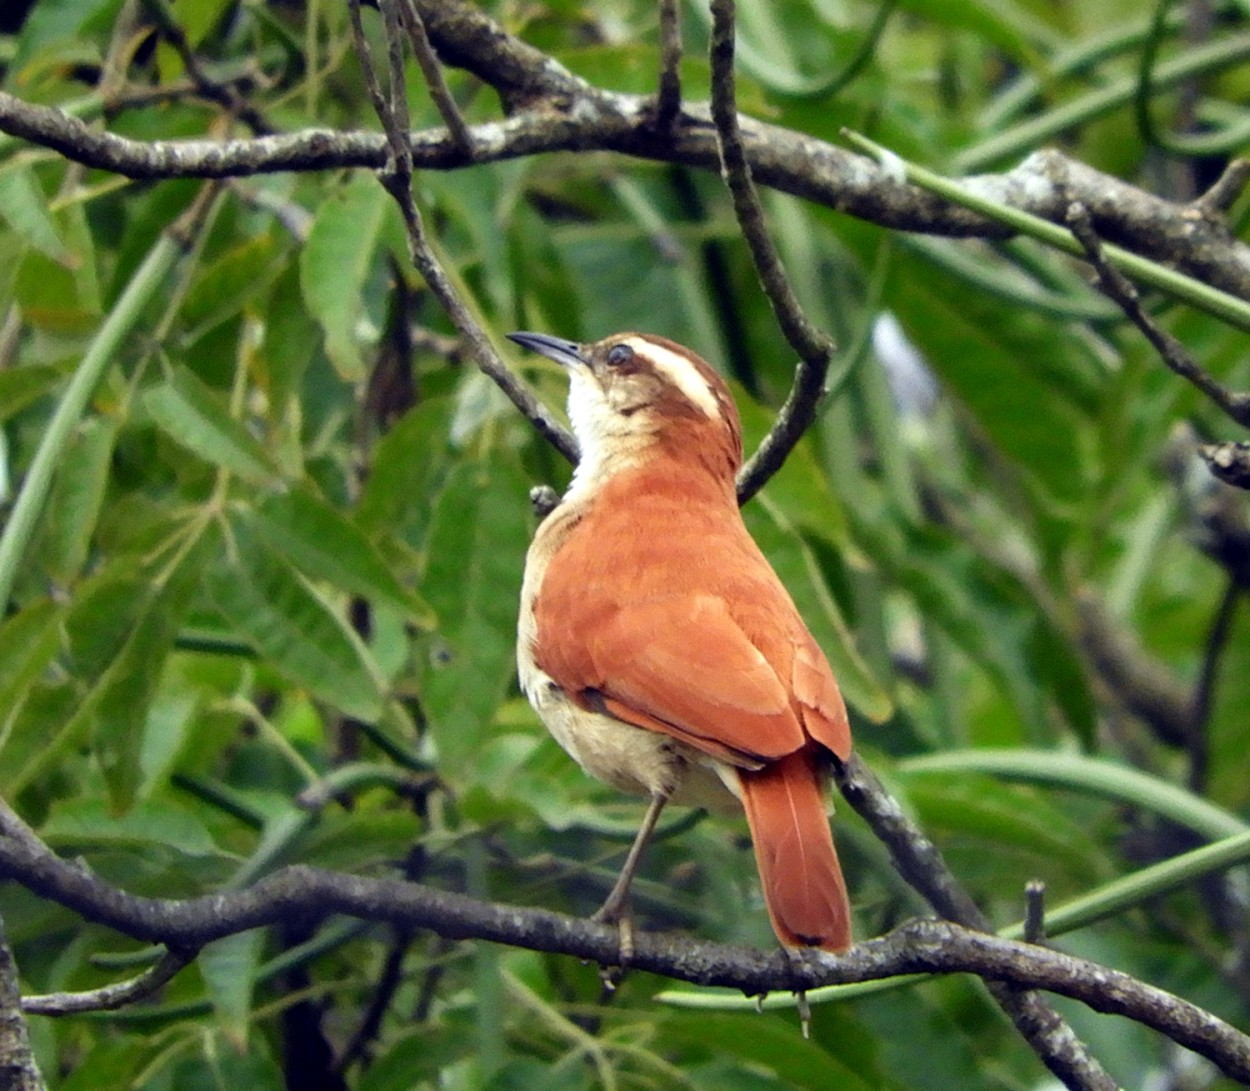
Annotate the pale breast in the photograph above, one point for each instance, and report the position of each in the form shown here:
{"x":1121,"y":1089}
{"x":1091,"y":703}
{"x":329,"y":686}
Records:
{"x":630,"y":759}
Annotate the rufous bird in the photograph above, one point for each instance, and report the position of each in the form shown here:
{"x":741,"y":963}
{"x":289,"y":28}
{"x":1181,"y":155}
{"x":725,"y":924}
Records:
{"x":658,"y":645}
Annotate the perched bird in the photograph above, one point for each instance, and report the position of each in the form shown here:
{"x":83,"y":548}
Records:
{"x":656,"y":642}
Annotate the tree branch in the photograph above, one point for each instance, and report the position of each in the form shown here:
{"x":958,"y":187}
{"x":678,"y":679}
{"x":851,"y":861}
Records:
{"x":396,"y":176}
{"x":1236,"y":405}
{"x":440,"y":93}
{"x":18,"y":1071}
{"x":111,"y":997}
{"x":814,"y":348}
{"x":668,"y":97}
{"x":919,"y":862}
{"x":310,"y":893}
{"x":789,"y":162}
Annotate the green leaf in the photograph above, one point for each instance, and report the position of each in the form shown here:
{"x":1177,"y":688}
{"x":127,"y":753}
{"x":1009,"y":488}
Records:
{"x":118,"y":705}
{"x":196,"y":418}
{"x":228,"y":967}
{"x":995,"y":362}
{"x":1001,"y":22}
{"x":198,"y":17}
{"x":76,"y":499}
{"x":28,"y":641}
{"x":1000,"y":818}
{"x":118,"y":634}
{"x":84,"y":825}
{"x":24,"y":208}
{"x":774,"y":1046}
{"x":57,"y":20}
{"x":274,"y":610}
{"x":21,"y":386}
{"x":232,"y":281}
{"x":335,"y":264}
{"x":408,"y":464}
{"x":324,"y":545}
{"x":476,"y":553}
{"x":795,"y":564}
{"x":62,"y":297}
{"x":291,"y":340}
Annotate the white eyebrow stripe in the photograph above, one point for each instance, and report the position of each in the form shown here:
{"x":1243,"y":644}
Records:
{"x":681,"y":373}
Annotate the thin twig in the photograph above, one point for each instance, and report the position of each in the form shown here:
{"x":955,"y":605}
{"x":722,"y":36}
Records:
{"x":1226,"y":189}
{"x":920,"y":863}
{"x":111,"y":997}
{"x":814,"y":348}
{"x":440,"y":93}
{"x":1118,"y":288}
{"x":1217,"y":640}
{"x":668,"y":97}
{"x":389,"y":981}
{"x":225,"y":94}
{"x":396,"y":176}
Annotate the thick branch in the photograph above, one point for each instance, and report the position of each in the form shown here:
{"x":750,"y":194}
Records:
{"x":18,"y":1071}
{"x":790,"y":162}
{"x":918,"y":947}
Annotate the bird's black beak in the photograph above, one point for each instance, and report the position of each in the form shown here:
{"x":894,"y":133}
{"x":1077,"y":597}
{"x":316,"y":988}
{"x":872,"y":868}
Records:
{"x":565,"y":353}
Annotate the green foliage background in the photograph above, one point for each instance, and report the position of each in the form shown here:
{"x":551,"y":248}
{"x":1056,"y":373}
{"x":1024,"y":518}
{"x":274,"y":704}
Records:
{"x":249,"y":580}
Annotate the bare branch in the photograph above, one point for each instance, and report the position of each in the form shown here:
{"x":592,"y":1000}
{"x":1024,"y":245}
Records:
{"x":792,"y":163}
{"x":1115,"y":285}
{"x":18,"y":1070}
{"x":396,"y":176}
{"x":226,"y":95}
{"x":1227,"y":188}
{"x":111,"y":997}
{"x":433,"y":72}
{"x":814,"y":348}
{"x":920,"y":863}
{"x":668,"y":97}
{"x":310,"y":893}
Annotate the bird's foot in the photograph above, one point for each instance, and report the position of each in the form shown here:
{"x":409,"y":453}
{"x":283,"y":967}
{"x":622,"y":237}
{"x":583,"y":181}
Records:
{"x":616,"y":911}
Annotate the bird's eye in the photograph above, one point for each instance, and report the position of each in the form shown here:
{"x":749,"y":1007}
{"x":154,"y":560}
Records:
{"x":619,"y":354}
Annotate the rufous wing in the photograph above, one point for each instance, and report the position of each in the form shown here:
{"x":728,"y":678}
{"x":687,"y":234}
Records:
{"x":682,"y":666}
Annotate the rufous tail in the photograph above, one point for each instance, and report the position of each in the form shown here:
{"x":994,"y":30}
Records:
{"x":799,"y":871}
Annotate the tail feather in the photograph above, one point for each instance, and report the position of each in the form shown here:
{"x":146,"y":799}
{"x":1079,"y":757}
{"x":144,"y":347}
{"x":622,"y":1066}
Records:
{"x":798,"y":865}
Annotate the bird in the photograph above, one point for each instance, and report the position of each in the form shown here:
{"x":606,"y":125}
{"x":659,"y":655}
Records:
{"x":657,"y":644}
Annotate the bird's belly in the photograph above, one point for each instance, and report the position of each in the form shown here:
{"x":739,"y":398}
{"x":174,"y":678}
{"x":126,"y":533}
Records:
{"x":631,"y":759}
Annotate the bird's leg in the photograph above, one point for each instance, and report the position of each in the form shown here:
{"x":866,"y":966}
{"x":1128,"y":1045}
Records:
{"x":616,"y":907}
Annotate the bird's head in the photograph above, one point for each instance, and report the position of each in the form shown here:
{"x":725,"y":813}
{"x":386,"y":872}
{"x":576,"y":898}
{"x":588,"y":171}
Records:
{"x":635,"y":396}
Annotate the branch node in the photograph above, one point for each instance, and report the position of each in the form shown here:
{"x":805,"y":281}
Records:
{"x":1225,"y":190}
{"x":544,"y":500}
{"x":1034,"y":911}
{"x":1230,"y":462}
